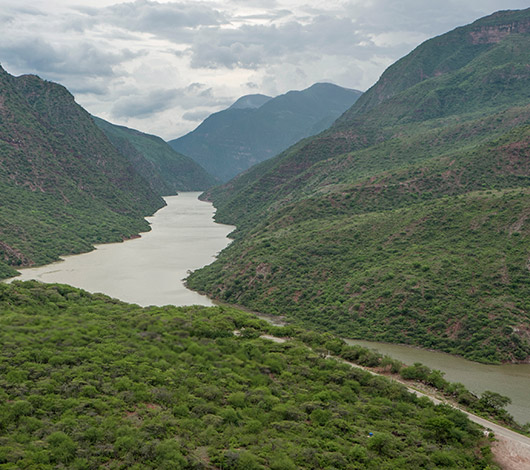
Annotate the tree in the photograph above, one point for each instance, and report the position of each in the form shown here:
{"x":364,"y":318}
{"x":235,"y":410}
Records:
{"x":493,"y":401}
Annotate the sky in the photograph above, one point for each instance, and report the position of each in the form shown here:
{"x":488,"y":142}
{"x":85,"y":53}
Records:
{"x":163,"y":66}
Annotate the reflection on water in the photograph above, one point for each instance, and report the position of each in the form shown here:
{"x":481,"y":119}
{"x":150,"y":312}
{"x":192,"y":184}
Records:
{"x":148,"y":270}
{"x":512,"y":380}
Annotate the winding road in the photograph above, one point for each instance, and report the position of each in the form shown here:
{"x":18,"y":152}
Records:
{"x":511,"y":449}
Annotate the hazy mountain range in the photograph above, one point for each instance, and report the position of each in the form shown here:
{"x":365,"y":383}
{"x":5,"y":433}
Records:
{"x":257,"y":127}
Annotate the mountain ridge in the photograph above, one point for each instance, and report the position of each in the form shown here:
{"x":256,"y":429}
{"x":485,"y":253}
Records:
{"x":63,"y":185}
{"x":479,"y":35}
{"x":415,"y":155}
{"x":230,"y":141}
{"x":166,"y":170}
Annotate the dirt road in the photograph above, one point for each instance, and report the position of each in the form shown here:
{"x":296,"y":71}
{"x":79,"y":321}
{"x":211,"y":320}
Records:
{"x":511,"y":449}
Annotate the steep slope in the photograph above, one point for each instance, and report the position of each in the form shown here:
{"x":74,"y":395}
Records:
{"x":408,"y":219}
{"x":166,"y":170}
{"x":443,"y":54}
{"x":63,"y":186}
{"x":230,"y":141}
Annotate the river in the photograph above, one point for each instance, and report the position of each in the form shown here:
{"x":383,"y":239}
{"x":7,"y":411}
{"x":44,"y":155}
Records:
{"x":512,"y":380}
{"x":148,"y":270}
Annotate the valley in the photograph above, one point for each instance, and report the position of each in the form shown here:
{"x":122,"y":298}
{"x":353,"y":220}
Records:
{"x":185,"y":304}
{"x":149,"y":270}
{"x":407,"y":220}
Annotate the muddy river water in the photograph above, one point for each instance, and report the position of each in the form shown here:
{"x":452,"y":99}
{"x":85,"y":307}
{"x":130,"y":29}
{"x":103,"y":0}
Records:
{"x":148,"y":270}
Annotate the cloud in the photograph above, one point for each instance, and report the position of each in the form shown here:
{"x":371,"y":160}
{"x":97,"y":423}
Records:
{"x":83,"y":58}
{"x":88,"y":86}
{"x":143,"y":105}
{"x":252,"y":46}
{"x":269,"y":15}
{"x":258,"y":3}
{"x":163,"y":65}
{"x":175,"y":21}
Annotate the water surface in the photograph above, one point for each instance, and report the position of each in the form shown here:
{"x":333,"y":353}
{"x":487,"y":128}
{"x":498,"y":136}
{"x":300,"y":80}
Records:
{"x":148,"y":270}
{"x":512,"y":380}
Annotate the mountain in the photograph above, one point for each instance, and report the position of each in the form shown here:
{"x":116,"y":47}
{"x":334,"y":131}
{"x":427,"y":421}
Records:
{"x":407,"y":221}
{"x":63,"y":186}
{"x":256,"y":127}
{"x":166,"y":170}
{"x":250,"y":101}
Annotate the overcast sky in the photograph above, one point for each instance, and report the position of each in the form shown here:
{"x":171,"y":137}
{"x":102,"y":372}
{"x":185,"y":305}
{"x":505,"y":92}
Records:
{"x":163,"y":66}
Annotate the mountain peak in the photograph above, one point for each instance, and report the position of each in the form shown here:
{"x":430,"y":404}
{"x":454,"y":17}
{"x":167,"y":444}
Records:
{"x":324,"y":86}
{"x":257,"y":127}
{"x":250,"y":101}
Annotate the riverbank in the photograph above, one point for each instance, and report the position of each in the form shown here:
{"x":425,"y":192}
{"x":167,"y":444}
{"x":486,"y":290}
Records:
{"x":147,"y":270}
{"x":510,"y":449}
{"x":511,"y":380}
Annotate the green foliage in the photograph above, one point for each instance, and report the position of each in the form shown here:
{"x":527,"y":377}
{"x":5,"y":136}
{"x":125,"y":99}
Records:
{"x":448,"y":274}
{"x":90,"y":382}
{"x":493,"y":403}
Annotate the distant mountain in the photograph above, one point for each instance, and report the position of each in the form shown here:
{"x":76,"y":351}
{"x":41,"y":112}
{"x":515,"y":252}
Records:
{"x":257,"y":127}
{"x":250,"y":101}
{"x":166,"y":170}
{"x":63,"y":186}
{"x":408,"y":220}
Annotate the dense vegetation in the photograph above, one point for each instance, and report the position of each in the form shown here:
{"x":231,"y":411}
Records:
{"x":63,"y":186}
{"x":256,"y":127}
{"x":166,"y":170}
{"x":89,"y":382}
{"x":404,"y":276}
{"x":408,"y":219}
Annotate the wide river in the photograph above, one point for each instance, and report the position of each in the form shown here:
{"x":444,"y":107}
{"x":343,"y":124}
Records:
{"x":149,"y":271}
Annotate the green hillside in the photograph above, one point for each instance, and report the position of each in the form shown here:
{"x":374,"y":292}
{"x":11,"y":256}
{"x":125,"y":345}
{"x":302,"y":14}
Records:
{"x":408,"y":219}
{"x":257,"y":127}
{"x":89,"y":382}
{"x":63,"y":186}
{"x":166,"y":170}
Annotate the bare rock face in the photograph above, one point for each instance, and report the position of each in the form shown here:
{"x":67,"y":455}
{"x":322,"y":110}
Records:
{"x":495,"y":34}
